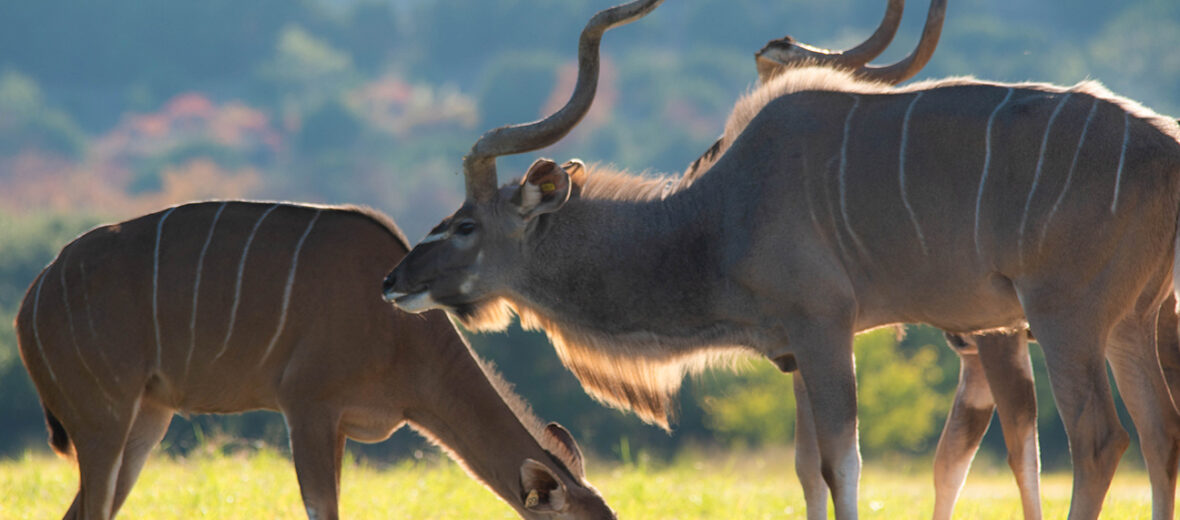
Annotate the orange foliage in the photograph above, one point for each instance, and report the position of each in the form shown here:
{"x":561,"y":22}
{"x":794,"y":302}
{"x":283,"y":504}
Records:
{"x":37,"y":183}
{"x":397,"y":107}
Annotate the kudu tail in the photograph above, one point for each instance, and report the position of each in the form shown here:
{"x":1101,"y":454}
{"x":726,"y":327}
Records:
{"x":59,"y":440}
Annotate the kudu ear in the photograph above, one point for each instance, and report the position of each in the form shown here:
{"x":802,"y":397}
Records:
{"x":542,"y":490}
{"x":571,"y":454}
{"x":544,"y":189}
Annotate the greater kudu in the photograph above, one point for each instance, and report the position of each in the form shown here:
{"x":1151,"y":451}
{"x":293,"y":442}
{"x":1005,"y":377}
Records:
{"x":222,"y":307}
{"x":821,"y":218}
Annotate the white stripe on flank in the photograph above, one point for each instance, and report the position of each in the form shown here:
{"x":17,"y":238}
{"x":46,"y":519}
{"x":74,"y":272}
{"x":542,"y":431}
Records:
{"x":1072,"y":166}
{"x":36,"y":329}
{"x":905,"y":131}
{"x":192,"y":324}
{"x":290,"y":283}
{"x":156,"y":283}
{"x":830,"y":207}
{"x":843,"y":174}
{"x":987,"y":161}
{"x":233,"y":313}
{"x":1037,"y":175}
{"x":1118,"y":179}
{"x":65,"y":299}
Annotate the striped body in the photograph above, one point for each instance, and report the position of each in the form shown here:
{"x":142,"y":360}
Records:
{"x":918,"y":195}
{"x":213,"y":284}
{"x":223,"y":307}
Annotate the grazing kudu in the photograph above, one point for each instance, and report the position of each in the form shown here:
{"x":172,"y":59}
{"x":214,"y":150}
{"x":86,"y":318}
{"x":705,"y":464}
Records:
{"x":834,"y":209}
{"x":995,"y":373}
{"x":221,"y":307}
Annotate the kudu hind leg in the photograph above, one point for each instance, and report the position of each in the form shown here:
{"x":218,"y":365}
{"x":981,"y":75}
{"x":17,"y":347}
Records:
{"x":1009,"y":373}
{"x":965,"y":426}
{"x":1077,"y":371}
{"x":99,"y":445}
{"x":1167,"y":344}
{"x":1133,"y":358}
{"x":150,"y":425}
{"x":807,"y":461}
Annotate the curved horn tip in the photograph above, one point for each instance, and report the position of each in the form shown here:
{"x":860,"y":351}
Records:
{"x":909,"y":66}
{"x":513,"y":139}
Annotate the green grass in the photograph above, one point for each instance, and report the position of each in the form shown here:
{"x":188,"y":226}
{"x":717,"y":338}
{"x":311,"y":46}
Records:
{"x":262,"y":485}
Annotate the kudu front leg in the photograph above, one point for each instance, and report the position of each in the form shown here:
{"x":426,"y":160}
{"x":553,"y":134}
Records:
{"x":829,"y":379}
{"x":317,"y":446}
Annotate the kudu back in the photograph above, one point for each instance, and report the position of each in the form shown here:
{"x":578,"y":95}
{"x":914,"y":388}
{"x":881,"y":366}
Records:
{"x":222,"y":307}
{"x":835,"y":206}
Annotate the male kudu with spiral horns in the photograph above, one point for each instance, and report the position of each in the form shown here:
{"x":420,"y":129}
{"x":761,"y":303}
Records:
{"x":832,"y":211}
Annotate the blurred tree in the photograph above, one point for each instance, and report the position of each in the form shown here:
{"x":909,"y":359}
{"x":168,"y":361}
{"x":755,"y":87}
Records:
{"x":94,"y":57}
{"x":514,"y":85}
{"x":749,"y":409}
{"x":27,"y":123}
{"x":1142,"y":42}
{"x":901,"y":404}
{"x":305,"y":72}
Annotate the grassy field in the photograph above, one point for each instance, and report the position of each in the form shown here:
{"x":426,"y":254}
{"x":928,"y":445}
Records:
{"x":262,"y":485}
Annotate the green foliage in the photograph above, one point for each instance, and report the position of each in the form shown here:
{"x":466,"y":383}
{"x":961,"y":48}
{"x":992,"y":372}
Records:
{"x":900,"y":407}
{"x":1142,"y":42}
{"x":514,"y":85}
{"x":27,"y":122}
{"x":749,"y":409}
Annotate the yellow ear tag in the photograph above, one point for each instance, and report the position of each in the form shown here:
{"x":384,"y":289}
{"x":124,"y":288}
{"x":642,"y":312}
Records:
{"x":533,"y":500}
{"x":548,"y":187}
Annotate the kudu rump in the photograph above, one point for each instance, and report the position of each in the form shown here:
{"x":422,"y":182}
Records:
{"x":222,"y":307}
{"x":838,"y":204}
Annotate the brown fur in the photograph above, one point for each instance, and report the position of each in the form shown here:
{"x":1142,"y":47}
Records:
{"x":117,"y":338}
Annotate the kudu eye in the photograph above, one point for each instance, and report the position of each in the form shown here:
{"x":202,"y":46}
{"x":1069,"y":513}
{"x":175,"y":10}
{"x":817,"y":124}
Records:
{"x":465,"y":228}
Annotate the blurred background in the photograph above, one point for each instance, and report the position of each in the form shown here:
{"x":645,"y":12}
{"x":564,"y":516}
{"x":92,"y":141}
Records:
{"x":111,"y":109}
